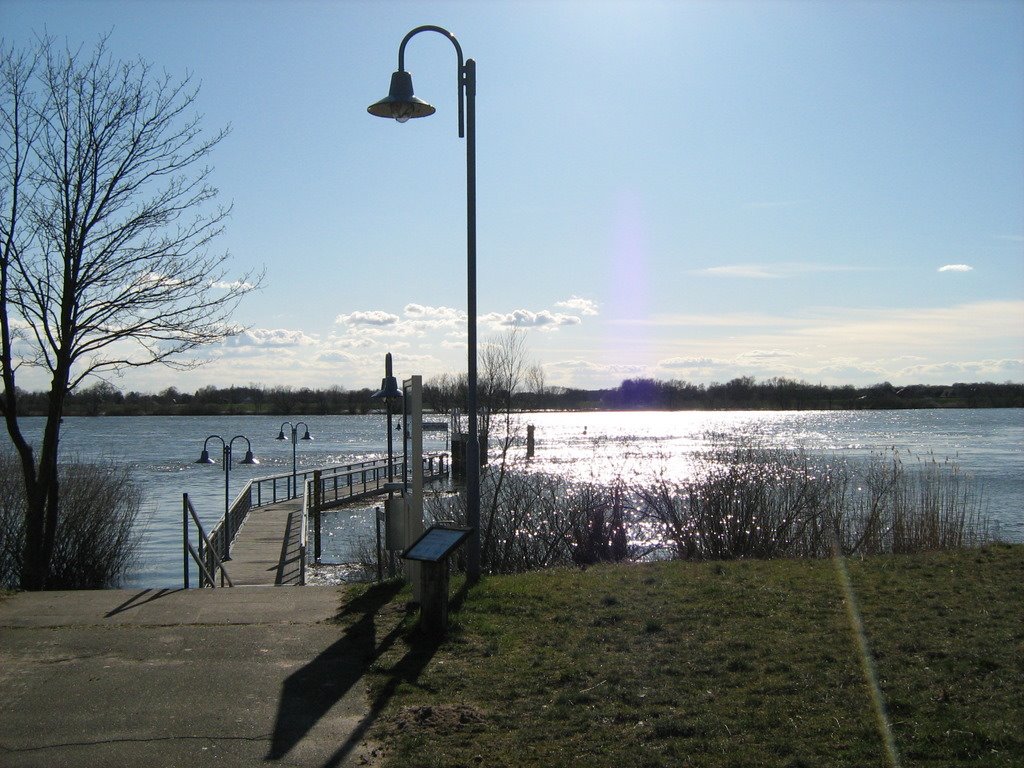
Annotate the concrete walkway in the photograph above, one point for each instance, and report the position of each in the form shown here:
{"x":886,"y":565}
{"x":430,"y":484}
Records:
{"x":226,"y":677}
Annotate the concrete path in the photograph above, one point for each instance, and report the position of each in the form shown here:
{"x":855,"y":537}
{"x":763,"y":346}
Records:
{"x":226,"y":677}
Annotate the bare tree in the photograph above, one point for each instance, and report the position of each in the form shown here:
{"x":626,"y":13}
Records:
{"x":503,"y":366}
{"x":106,"y":218}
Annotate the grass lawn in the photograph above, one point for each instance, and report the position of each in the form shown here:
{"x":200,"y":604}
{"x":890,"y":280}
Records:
{"x":742,"y":663}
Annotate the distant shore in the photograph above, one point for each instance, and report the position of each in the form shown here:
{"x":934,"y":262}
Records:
{"x":441,"y":395}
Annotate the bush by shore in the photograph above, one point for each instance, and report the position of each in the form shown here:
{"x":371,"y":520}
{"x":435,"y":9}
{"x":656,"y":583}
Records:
{"x":743,"y":500}
{"x":97,"y":536}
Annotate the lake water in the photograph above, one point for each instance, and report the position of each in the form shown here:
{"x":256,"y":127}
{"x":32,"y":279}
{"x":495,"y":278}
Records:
{"x":987,"y":444}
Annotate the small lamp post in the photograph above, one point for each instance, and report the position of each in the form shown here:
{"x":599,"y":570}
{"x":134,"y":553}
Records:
{"x":390,"y":392}
{"x":204,"y":458}
{"x":400,"y":104}
{"x":281,"y":436}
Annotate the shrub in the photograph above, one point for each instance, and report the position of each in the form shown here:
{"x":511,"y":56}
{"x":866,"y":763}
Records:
{"x":748,"y":500}
{"x":742,"y":500}
{"x":97,"y":538}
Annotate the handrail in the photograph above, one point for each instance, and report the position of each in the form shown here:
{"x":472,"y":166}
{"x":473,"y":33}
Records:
{"x":271,"y":495}
{"x":238,"y":511}
{"x":307,"y":495}
{"x":207,"y":557}
{"x":372,"y":477}
{"x":265,"y":490}
{"x":338,"y":484}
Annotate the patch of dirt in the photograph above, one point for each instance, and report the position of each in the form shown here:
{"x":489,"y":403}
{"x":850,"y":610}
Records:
{"x":438,"y":717}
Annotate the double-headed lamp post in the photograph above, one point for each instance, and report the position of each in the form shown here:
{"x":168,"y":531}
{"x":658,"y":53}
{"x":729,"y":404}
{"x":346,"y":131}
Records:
{"x":281,"y":436}
{"x":204,"y":458}
{"x":401,"y":105}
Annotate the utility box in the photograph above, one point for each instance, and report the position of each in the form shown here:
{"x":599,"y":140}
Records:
{"x":394,"y":524}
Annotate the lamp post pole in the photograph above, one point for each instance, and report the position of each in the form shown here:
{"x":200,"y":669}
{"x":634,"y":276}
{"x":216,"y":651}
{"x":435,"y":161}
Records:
{"x":204,"y":458}
{"x":402,"y":105}
{"x":389,"y":392}
{"x":294,"y":492}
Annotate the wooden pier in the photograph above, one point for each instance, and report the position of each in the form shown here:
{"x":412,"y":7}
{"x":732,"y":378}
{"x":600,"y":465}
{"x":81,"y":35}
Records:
{"x":268,"y":545}
{"x":267,"y":550}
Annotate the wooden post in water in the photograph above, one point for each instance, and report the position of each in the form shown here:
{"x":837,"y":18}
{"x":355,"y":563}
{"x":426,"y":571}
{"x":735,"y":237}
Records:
{"x":529,"y":441}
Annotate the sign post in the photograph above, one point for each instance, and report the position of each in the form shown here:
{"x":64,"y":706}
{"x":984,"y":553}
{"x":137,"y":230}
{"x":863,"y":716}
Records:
{"x":432,"y":550}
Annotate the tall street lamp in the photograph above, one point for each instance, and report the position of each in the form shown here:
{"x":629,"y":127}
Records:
{"x":401,"y":105}
{"x":204,"y":458}
{"x":281,"y":436}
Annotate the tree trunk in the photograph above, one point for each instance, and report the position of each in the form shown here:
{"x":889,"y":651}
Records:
{"x":34,"y":571}
{"x":43,"y":495}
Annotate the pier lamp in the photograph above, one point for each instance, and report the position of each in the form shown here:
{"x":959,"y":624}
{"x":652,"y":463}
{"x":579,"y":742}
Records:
{"x":400,"y":104}
{"x":390,"y":392}
{"x":294,"y":493}
{"x":204,"y":458}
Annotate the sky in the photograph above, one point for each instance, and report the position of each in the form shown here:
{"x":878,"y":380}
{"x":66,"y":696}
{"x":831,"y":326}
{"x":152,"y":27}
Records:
{"x":831,"y":192}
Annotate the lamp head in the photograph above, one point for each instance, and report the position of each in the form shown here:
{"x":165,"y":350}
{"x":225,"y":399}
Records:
{"x":280,"y":435}
{"x":249,"y":459}
{"x":388,"y":388}
{"x":204,"y":458}
{"x":307,"y":436}
{"x":400,"y":103}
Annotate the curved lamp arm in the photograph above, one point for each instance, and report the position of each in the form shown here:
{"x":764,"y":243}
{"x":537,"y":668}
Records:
{"x":249,"y":458}
{"x":460,"y":82}
{"x":204,"y":457}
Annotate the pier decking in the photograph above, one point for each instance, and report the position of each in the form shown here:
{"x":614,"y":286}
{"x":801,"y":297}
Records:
{"x":267,"y":550}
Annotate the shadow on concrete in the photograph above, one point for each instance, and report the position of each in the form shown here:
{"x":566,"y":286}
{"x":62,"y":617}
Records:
{"x":145,"y":596}
{"x":407,"y":670}
{"x":309,"y":693}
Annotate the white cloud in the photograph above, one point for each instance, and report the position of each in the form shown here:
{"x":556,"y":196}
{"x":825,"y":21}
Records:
{"x":269,"y":337}
{"x":969,"y":370}
{"x":588,"y":375}
{"x":437,"y":315}
{"x":335,"y":356}
{"x":757,"y":355}
{"x":374,"y":318}
{"x":581,"y":305}
{"x":545,"y":320}
{"x":232,"y":285}
{"x":956,"y":268}
{"x":771,"y":271}
{"x":717,"y":320}
{"x":688,"y":363}
{"x":740,"y":270}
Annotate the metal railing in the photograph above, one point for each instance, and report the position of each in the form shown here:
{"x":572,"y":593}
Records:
{"x":322,"y":488}
{"x":307,"y":500}
{"x":206,"y":553}
{"x":276,"y":488}
{"x":370,"y":477}
{"x":228,"y":525}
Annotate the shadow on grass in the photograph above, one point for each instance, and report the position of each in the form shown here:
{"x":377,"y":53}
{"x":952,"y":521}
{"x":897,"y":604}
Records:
{"x":310,"y":692}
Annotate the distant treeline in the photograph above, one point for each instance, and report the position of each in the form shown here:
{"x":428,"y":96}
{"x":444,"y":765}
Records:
{"x":444,"y":393}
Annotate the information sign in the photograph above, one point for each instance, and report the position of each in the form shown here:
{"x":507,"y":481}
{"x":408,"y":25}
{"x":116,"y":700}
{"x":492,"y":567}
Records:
{"x":436,"y":543}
